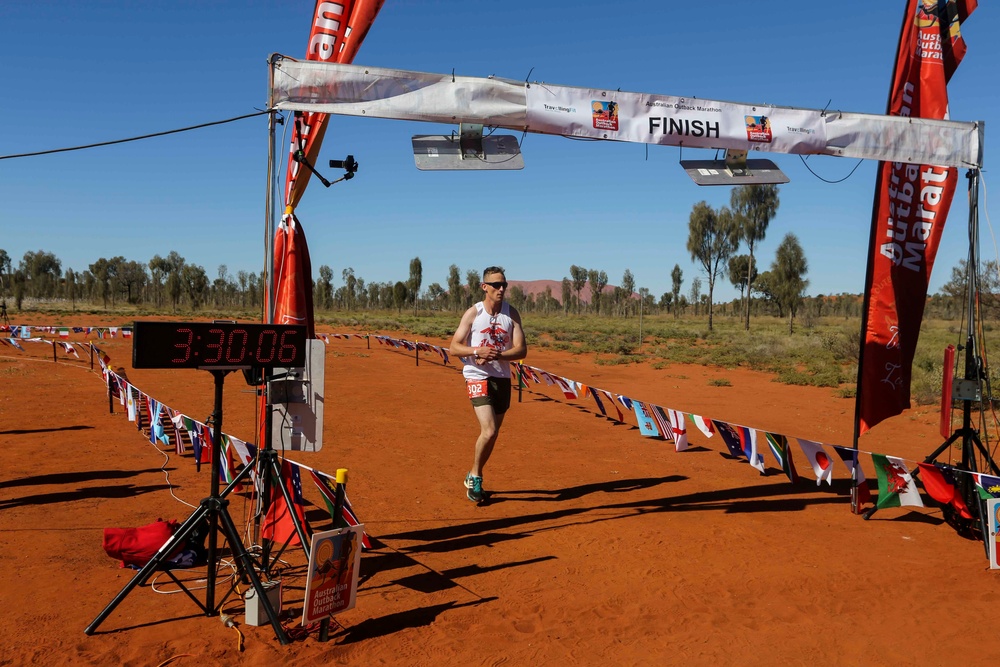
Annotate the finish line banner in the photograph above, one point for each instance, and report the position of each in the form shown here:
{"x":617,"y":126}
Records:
{"x":669,"y":120}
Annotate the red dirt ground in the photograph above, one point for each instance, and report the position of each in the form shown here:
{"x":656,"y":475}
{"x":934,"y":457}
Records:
{"x":599,"y":547}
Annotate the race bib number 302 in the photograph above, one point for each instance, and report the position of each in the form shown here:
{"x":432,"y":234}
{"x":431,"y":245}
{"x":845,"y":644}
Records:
{"x":476,"y":388}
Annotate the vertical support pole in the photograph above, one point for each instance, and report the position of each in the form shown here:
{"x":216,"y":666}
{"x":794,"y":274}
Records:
{"x":54,"y":359}
{"x":416,"y":351}
{"x":338,"y":510}
{"x":368,"y":340}
{"x":91,"y":355}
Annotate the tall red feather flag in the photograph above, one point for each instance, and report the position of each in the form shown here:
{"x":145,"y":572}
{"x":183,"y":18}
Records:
{"x":908,"y":216}
{"x":337,"y":30}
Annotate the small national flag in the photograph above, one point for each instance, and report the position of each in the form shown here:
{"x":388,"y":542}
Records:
{"x":194,"y":432}
{"x":940,"y":485}
{"x":177,"y":419}
{"x":778,"y":444}
{"x":600,"y":406}
{"x":730,"y":437}
{"x":607,"y":394}
{"x":328,"y":488}
{"x":645,"y":420}
{"x":566,"y":386}
{"x":748,"y":439}
{"x":850,"y":458}
{"x":818,"y":459}
{"x":278,"y":525}
{"x":626,"y":401}
{"x":987,"y":486}
{"x":130,"y":402}
{"x":155,"y":412}
{"x":13,"y":341}
{"x":704,"y":425}
{"x":64,"y":332}
{"x":896,"y":486}
{"x":679,"y":429}
{"x":662,"y":421}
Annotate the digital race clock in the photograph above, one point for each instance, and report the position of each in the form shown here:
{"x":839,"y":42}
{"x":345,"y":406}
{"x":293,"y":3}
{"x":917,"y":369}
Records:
{"x":217,"y":345}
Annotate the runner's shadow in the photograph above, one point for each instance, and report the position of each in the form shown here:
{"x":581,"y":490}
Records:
{"x":432,"y":581}
{"x":573,"y":492}
{"x":74,"y":477}
{"x":25,"y":431}
{"x":403,"y":620}
{"x":89,"y":493}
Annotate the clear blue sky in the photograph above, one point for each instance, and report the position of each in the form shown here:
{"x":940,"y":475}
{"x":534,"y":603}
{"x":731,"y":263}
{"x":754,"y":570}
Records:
{"x":86,"y":71}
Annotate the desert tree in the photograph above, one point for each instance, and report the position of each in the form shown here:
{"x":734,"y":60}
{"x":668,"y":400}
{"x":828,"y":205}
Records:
{"x":753,"y":208}
{"x":42,"y":270}
{"x":195,"y":284}
{"x":4,"y":272}
{"x":567,"y":294}
{"x":416,"y":278}
{"x":676,"y":280}
{"x":436,"y":295}
{"x":71,"y":288}
{"x":987,"y":282}
{"x":696,"y":297}
{"x":712,"y":239}
{"x":598,"y":281}
{"x":455,"y":288}
{"x":579,"y":276}
{"x":350,"y":289}
{"x":131,"y":278}
{"x":627,"y":289}
{"x":167,"y":271}
{"x":473,"y":280}
{"x":324,"y":288}
{"x":789,"y":271}
{"x":400,"y":295}
{"x":742,"y":272}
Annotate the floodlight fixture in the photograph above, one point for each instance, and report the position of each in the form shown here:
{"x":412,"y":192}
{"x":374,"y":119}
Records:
{"x":468,"y":150}
{"x":734,"y":169}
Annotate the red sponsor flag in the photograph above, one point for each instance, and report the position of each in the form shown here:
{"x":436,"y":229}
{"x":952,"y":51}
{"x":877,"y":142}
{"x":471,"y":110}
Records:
{"x":908,"y":216}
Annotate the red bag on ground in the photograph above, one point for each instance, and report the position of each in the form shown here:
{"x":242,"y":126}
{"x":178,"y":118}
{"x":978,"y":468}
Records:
{"x":137,"y":546}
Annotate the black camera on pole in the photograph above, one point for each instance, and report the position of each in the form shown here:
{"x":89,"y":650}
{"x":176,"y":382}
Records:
{"x":349,"y":165}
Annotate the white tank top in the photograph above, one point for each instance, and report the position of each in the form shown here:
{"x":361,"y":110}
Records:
{"x":490,"y":331}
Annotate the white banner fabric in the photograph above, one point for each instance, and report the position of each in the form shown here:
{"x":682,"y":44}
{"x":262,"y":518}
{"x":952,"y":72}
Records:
{"x":356,"y":90}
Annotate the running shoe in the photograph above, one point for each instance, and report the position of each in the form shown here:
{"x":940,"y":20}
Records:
{"x":475,"y":488}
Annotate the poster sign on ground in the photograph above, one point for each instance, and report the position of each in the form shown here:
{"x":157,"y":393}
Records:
{"x":332,"y":581}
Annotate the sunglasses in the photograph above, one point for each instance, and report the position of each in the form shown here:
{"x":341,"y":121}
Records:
{"x":498,"y":284}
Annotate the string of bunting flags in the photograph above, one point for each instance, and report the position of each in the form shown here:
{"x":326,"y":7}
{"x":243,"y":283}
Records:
{"x":896,"y":479}
{"x":165,"y":425}
{"x":25,"y":331}
{"x":895,"y":476}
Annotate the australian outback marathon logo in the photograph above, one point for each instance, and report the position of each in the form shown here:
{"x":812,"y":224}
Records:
{"x":758,"y":128}
{"x":604,"y":115}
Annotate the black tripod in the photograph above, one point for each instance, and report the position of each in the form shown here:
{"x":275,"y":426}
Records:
{"x":213,"y":510}
{"x":975,"y":457}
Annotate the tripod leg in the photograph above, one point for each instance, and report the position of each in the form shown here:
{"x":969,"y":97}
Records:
{"x":229,"y":529}
{"x":147,"y":570}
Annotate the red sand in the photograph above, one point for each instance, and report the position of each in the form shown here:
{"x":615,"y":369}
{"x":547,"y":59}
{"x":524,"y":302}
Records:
{"x":600,"y":546}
